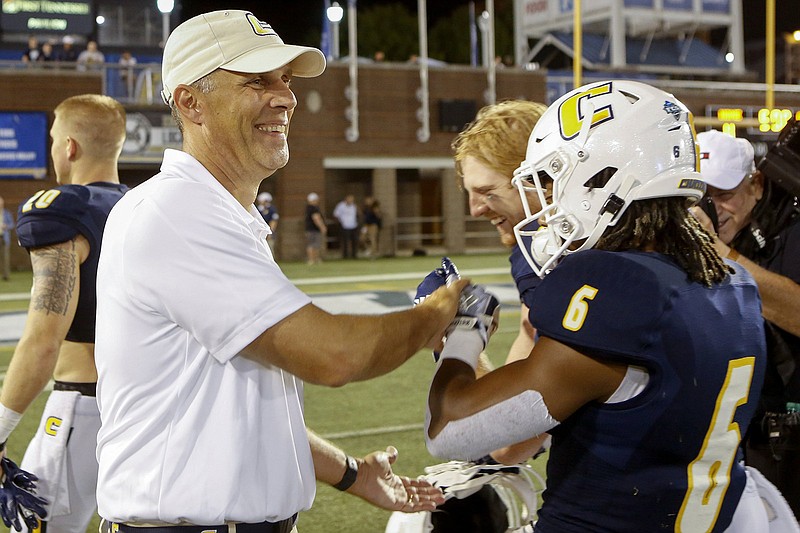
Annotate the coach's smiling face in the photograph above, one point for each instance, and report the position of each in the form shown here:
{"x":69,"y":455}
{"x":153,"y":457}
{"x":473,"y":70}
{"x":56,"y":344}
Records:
{"x":238,"y":127}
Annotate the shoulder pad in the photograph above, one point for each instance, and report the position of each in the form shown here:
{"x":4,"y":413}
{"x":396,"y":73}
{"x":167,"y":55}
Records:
{"x":602,"y":300}
{"x":51,"y":216}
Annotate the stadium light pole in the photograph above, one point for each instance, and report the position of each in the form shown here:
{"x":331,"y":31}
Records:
{"x":335,"y":13}
{"x":166,"y":7}
{"x":577,"y":45}
{"x":769,"y":70}
{"x":351,"y":92}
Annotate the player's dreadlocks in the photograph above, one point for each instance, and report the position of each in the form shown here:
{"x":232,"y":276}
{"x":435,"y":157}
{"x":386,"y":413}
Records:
{"x":666,"y":225}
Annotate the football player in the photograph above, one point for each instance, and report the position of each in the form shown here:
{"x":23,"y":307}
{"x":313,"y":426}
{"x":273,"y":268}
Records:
{"x":651,"y":349}
{"x":62,"y":228}
{"x":486,"y":153}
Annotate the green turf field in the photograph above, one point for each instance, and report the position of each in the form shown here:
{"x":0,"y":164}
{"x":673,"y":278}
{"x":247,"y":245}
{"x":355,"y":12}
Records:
{"x":359,"y":417}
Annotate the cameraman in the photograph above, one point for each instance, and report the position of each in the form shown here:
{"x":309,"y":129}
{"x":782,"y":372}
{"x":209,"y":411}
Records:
{"x":759,"y":228}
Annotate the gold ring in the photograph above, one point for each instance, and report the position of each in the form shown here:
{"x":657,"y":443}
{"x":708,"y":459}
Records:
{"x":410,"y":498}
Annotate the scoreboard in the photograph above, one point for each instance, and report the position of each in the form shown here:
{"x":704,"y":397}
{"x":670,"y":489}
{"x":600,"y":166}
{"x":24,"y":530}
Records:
{"x":759,"y":125}
{"x":752,"y":120}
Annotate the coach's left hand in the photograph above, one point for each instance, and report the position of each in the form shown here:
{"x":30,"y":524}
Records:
{"x":380,"y":486}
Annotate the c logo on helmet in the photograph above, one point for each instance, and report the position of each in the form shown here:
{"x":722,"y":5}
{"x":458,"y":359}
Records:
{"x":570,"y":117}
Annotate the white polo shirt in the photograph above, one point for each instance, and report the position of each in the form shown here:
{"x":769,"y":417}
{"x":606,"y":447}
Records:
{"x":192,"y":432}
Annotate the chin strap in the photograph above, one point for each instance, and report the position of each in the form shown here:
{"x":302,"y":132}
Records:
{"x":614,"y":204}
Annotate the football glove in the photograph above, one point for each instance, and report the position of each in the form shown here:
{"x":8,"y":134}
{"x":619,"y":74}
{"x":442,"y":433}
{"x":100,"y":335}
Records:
{"x":477,"y":309}
{"x":439,"y":277}
{"x":18,"y":497}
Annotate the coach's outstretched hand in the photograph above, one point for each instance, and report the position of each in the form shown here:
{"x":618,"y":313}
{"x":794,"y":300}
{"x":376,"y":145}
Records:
{"x":380,"y":486}
{"x":439,"y":277}
{"x":18,"y":497}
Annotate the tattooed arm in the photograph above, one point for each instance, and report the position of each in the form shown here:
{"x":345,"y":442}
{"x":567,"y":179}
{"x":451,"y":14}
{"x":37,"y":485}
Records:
{"x":54,"y":298}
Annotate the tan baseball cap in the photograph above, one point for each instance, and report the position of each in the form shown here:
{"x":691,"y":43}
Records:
{"x":231,"y":40}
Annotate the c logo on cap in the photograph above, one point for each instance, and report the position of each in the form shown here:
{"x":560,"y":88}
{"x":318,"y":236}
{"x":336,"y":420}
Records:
{"x":260,"y":27}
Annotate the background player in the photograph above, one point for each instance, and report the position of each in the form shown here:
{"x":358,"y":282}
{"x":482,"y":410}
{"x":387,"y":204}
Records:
{"x":270,"y":214}
{"x":62,"y":229}
{"x":651,"y":350}
{"x":486,"y":154}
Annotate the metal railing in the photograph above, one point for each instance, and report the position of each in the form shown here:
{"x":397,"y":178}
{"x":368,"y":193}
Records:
{"x":130,"y":84}
{"x":413,"y":232}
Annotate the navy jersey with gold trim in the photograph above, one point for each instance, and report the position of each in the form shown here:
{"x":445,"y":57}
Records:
{"x":524,"y":277}
{"x":59,"y":215}
{"x":667,"y":459}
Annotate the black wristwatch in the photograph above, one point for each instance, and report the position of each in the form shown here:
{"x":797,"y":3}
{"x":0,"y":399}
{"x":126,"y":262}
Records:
{"x":350,"y":474}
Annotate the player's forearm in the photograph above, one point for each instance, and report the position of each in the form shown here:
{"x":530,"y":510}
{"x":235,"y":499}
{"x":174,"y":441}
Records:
{"x":520,"y":452}
{"x":449,"y":397}
{"x":29,"y":372}
{"x":523,"y":343}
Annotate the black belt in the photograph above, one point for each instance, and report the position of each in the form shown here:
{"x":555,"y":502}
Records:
{"x":86,"y":389}
{"x":284,"y":526}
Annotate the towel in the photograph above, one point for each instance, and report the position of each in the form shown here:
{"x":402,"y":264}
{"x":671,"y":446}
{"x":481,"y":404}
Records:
{"x":46,"y":453}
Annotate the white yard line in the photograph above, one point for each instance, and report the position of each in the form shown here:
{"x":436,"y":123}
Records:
{"x":371,"y":431}
{"x":390,"y":277}
{"x":331,"y":279}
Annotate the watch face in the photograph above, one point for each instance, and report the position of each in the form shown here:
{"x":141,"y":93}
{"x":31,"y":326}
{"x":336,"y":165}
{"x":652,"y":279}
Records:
{"x":350,"y":474}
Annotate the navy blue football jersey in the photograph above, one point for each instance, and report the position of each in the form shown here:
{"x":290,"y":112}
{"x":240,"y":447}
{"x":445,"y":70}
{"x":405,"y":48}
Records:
{"x":667,"y":459}
{"x":59,"y":215}
{"x":524,"y":276}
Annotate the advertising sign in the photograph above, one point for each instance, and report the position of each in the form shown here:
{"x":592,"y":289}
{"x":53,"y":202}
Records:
{"x":47,"y":16}
{"x":23,"y":145}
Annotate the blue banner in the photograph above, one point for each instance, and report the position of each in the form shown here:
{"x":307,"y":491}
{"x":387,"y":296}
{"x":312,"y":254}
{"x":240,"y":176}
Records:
{"x":716,"y":6}
{"x":23,"y":145}
{"x":678,"y":5}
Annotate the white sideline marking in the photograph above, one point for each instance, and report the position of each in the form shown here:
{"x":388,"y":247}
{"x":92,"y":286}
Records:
{"x":11,"y":296}
{"x":389,"y":277}
{"x":331,"y":279}
{"x":371,"y":431}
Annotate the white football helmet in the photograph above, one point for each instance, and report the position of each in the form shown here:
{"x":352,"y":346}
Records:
{"x":603,"y":146}
{"x":518,"y":488}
